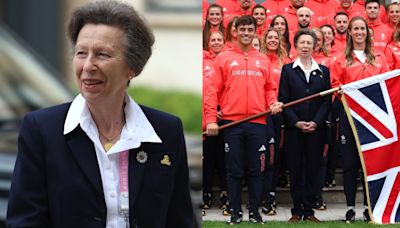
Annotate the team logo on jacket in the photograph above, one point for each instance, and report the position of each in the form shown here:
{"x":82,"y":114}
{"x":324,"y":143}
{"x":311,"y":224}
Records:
{"x":258,"y":65}
{"x":234,"y":63}
{"x":226,"y":148}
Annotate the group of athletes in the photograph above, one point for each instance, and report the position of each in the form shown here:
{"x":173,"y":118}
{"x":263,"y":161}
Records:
{"x":257,"y":57}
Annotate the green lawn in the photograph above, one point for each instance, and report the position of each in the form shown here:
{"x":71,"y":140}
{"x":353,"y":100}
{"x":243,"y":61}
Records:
{"x":274,"y":224}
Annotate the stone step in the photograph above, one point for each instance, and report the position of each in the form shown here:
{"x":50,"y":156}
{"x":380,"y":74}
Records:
{"x":3,"y":211}
{"x":5,"y":187}
{"x":333,"y":195}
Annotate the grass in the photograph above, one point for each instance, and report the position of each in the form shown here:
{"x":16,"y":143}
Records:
{"x":275,"y":224}
{"x":183,"y":104}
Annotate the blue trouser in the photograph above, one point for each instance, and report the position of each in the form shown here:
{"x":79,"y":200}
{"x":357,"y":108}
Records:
{"x":305,"y":159}
{"x":245,"y":147}
{"x":351,"y":163}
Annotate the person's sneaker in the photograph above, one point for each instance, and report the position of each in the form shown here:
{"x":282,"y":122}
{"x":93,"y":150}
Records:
{"x":367,"y":218}
{"x":350,"y":216}
{"x":330,"y":184}
{"x":206,"y":200}
{"x":236,"y":218}
{"x":255,"y":217}
{"x":320,"y":205}
{"x":268,"y":210}
{"x":225,"y":212}
{"x":272,"y":200}
{"x":224,"y":202}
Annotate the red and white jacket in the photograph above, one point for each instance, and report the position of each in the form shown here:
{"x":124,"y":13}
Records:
{"x":275,"y":7}
{"x":276,"y":69}
{"x":392,"y":54}
{"x":382,"y":34}
{"x":322,"y":9}
{"x":208,"y":88}
{"x":342,"y":74}
{"x":243,"y":84}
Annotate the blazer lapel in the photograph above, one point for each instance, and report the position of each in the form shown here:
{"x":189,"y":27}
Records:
{"x":83,"y":150}
{"x":299,"y":72}
{"x":136,"y":171}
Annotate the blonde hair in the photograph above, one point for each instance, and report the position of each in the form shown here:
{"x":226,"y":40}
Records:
{"x":323,"y":48}
{"x":280,"y":52}
{"x":396,"y":32}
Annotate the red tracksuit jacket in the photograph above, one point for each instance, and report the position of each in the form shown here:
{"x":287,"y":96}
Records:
{"x":382,"y":35}
{"x":343,"y":74}
{"x":392,"y":54}
{"x":322,"y":10}
{"x":243,"y":84}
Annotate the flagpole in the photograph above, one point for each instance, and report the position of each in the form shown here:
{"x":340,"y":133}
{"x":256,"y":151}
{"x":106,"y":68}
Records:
{"x":320,"y":94}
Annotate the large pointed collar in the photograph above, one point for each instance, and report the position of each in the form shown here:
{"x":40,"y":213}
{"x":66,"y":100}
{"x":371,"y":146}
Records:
{"x":137,"y":128}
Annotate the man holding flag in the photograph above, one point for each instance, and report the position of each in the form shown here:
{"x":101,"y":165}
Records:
{"x":244,"y":87}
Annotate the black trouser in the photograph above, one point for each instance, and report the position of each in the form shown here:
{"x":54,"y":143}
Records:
{"x":351,"y":163}
{"x":269,"y":160}
{"x":245,"y":147}
{"x":213,"y":157}
{"x":333,"y":150}
{"x":304,"y":160}
{"x":273,"y":131}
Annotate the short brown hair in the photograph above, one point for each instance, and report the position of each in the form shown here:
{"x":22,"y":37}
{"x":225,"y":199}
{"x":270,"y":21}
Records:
{"x":139,"y":37}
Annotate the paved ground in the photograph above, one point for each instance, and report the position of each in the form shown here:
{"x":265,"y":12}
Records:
{"x":333,"y":212}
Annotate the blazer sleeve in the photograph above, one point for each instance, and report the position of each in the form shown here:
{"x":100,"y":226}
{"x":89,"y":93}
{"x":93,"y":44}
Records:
{"x":322,"y":114}
{"x":180,"y":211}
{"x":284,"y":96}
{"x":28,"y":199}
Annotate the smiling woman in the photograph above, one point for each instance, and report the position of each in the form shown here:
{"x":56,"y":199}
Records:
{"x":102,"y":160}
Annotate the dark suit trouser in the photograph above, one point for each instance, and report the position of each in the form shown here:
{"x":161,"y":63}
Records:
{"x":245,"y":159}
{"x":333,"y":151}
{"x":351,"y":163}
{"x":213,"y":157}
{"x":304,"y":159}
{"x":273,"y":161}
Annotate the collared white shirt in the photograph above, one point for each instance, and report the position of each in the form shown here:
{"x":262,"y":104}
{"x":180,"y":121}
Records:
{"x":314,"y":66}
{"x":137,"y":129}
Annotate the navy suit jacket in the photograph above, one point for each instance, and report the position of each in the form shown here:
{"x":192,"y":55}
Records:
{"x":57,"y":183}
{"x":293,"y":86}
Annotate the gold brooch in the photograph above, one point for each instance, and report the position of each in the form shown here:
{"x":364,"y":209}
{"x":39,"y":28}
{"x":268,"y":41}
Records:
{"x":165,"y":160}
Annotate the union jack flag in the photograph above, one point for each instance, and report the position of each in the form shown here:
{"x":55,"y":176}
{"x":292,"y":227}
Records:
{"x":373,"y":108}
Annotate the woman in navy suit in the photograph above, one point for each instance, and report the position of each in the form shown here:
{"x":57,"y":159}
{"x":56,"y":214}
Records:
{"x":102,"y":160}
{"x":304,"y":124}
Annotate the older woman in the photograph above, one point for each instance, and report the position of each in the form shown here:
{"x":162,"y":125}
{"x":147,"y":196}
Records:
{"x":304,"y":124}
{"x":102,"y":160}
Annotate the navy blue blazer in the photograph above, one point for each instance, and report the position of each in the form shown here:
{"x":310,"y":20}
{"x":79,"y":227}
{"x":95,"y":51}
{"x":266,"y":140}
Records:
{"x":293,"y":86}
{"x":57,"y":183}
